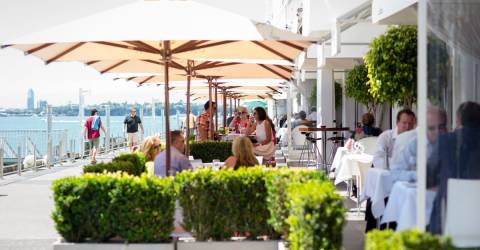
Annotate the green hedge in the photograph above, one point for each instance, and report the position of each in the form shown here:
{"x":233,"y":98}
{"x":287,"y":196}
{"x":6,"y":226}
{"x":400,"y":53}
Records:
{"x":99,"y":207}
{"x":210,"y":150}
{"x":277,"y":182}
{"x":316,"y":216}
{"x":133,"y":164}
{"x":216,"y":204}
{"x":405,"y":240}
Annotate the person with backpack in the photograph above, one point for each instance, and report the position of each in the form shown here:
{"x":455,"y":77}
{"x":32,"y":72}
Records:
{"x":93,"y":124}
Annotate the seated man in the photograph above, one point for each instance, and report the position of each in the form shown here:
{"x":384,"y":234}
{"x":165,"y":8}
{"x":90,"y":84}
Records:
{"x":456,"y":156}
{"x":404,"y":160}
{"x":301,"y":120}
{"x":386,"y":141}
{"x":178,"y":161}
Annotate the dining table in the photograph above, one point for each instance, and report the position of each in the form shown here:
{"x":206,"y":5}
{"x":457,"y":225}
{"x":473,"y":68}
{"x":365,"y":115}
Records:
{"x":324,"y":131}
{"x":402,"y":205}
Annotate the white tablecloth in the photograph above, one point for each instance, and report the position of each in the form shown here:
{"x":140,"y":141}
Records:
{"x":402,"y":205}
{"x":378,"y":184}
{"x":337,"y":160}
{"x":231,"y":136}
{"x":349,"y":166}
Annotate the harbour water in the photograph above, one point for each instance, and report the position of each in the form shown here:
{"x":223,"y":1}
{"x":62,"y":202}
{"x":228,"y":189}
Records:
{"x":67,"y":131}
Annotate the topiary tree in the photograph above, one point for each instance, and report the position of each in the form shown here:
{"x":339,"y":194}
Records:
{"x":356,"y":87}
{"x":392,"y":66}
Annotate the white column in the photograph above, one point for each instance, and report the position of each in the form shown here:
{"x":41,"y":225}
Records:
{"x":325,"y":96}
{"x":422,"y":114}
{"x":289,"y":117}
{"x":271,"y":108}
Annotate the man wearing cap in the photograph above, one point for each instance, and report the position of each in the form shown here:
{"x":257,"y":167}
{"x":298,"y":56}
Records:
{"x":131,"y":124}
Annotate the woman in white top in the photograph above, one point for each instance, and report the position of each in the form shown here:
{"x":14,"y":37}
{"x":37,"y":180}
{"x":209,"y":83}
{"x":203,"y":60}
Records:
{"x":264,"y":133}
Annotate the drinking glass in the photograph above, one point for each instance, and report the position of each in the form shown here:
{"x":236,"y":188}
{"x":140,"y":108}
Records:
{"x":216,"y":164}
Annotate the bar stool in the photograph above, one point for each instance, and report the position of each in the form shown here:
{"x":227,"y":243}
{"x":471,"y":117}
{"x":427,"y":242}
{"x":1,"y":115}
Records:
{"x":310,"y":146}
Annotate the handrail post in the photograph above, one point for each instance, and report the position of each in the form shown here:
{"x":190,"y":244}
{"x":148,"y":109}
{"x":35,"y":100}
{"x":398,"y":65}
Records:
{"x":35,"y":167}
{"x":1,"y":163}
{"x":49,"y":137}
{"x":19,"y":159}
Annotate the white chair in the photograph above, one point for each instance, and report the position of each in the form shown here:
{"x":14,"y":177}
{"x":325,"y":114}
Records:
{"x":369,"y":144}
{"x":462,"y":222}
{"x":298,"y":139}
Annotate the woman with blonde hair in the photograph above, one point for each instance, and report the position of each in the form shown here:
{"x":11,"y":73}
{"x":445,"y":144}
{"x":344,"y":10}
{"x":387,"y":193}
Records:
{"x":243,"y":156}
{"x":150,"y":147}
{"x":240,"y":122}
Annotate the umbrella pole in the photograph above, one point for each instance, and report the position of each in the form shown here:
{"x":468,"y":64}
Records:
{"x":224,"y":108}
{"x":216,"y":110}
{"x":166,"y":57}
{"x":210,"y":119}
{"x":231,"y":108}
{"x":187,"y":132}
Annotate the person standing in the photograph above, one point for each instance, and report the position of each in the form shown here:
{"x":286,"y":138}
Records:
{"x":131,"y":124}
{"x":93,"y":124}
{"x":203,"y":122}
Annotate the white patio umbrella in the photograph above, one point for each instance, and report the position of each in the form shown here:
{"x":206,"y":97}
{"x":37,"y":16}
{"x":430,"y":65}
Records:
{"x":161,"y":30}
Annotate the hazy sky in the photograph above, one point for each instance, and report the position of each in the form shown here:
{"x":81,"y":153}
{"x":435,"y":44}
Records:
{"x":58,"y":83}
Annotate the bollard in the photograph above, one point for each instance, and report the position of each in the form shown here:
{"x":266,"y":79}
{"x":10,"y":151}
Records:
{"x":19,"y":159}
{"x":1,"y":163}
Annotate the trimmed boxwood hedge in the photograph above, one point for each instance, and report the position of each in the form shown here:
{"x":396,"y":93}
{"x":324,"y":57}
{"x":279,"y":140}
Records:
{"x":405,"y":240}
{"x":277,"y":202}
{"x":99,"y":207}
{"x":132,"y":163}
{"x":210,"y":150}
{"x":218,"y":204}
{"x":316,"y":216}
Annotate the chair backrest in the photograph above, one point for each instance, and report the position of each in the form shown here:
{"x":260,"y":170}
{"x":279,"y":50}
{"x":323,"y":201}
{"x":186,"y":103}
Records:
{"x":369,"y":144}
{"x":298,"y":138}
{"x":462,"y":222}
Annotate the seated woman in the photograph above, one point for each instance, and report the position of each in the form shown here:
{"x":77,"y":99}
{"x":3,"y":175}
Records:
{"x":240,"y":122}
{"x":151,"y":147}
{"x":243,"y":156}
{"x":264,"y":134}
{"x":368,"y":129}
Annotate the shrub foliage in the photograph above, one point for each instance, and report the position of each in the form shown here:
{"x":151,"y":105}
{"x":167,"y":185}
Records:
{"x":392,"y":66}
{"x":277,"y":202}
{"x":210,"y":150}
{"x":217,"y":204}
{"x":405,"y":240}
{"x":316,"y":216}
{"x":99,"y":207}
{"x":133,"y":164}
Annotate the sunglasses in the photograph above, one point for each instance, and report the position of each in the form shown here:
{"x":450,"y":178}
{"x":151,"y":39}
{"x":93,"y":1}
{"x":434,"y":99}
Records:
{"x":157,"y":146}
{"x":243,"y":113}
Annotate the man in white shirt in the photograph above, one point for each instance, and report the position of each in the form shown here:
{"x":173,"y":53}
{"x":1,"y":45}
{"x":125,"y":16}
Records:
{"x":313,"y":114}
{"x":385,"y":145}
{"x":404,"y":163}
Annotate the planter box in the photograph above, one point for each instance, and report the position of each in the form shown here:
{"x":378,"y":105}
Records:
{"x":230,"y":245}
{"x":59,"y":245}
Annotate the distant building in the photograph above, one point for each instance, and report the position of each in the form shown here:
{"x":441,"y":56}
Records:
{"x":30,"y":100}
{"x":42,"y":105}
